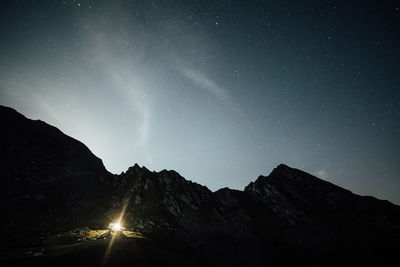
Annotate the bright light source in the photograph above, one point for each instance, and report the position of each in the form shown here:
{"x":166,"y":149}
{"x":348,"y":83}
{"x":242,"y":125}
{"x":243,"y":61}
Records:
{"x":115,"y":227}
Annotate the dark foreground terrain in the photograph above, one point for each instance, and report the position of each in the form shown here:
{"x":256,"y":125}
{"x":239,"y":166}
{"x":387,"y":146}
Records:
{"x":57,"y":200}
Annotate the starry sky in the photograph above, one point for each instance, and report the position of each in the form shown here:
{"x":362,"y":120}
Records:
{"x":220,"y":91}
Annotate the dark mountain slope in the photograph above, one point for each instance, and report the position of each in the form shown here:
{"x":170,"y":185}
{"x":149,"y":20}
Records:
{"x":46,"y":177}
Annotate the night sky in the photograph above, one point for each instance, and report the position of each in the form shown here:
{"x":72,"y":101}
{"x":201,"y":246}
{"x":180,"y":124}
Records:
{"x":220,"y":91}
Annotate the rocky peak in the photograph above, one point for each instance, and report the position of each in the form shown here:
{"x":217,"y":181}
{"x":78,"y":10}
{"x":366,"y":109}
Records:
{"x":293,"y":179}
{"x":136,"y":168}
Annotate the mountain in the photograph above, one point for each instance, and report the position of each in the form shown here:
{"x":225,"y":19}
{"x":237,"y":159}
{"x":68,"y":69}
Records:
{"x":52,"y":184}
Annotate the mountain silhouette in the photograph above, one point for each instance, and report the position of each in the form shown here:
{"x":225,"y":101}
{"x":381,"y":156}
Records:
{"x":53,"y":184}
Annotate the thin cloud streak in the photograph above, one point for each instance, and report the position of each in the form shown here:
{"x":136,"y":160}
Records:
{"x":126,"y":79}
{"x":131,"y":90}
{"x":205,"y":83}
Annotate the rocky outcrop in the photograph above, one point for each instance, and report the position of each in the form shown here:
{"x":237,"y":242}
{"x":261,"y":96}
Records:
{"x":165,"y":198}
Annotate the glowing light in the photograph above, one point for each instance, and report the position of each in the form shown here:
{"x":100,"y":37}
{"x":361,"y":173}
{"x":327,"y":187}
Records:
{"x":115,"y":227}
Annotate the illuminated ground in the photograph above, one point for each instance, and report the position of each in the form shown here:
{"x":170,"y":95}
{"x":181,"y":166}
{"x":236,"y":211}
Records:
{"x":98,"y":248}
{"x":69,"y":243}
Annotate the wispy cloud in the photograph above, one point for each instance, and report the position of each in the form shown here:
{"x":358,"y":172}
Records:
{"x":202,"y":81}
{"x":132,"y":90}
{"x":126,"y":79}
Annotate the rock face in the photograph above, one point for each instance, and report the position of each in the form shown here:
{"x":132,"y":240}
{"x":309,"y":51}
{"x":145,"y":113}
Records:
{"x":325,"y":221}
{"x":166,"y":198}
{"x":52,"y":182}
